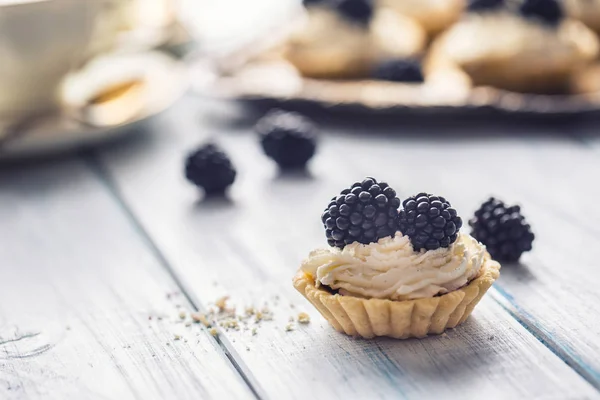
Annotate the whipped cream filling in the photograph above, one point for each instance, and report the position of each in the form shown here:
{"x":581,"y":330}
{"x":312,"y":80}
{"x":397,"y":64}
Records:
{"x":391,"y":269}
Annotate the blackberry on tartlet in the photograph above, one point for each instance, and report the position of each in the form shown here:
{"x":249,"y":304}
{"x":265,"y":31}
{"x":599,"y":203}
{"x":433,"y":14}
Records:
{"x":485,"y":5}
{"x":547,"y":11}
{"x":429,"y":221}
{"x":363,"y":213}
{"x":399,"y":70}
{"x":289,"y":138}
{"x":210,"y":168}
{"x":359,"y":11}
{"x":503,"y":229}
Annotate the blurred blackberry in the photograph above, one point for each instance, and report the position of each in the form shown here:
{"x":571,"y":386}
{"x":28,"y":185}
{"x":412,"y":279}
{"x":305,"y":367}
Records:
{"x":547,"y":11}
{"x":485,"y":5}
{"x":287,"y":137}
{"x":364,"y":213}
{"x":210,"y":168}
{"x":312,"y":2}
{"x":429,"y":221}
{"x":359,"y":11}
{"x":502,"y":229}
{"x":399,"y":70}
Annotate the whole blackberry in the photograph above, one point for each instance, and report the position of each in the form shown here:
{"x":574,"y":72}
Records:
{"x":547,"y":11}
{"x":399,"y":70}
{"x":503,"y":230}
{"x":210,"y":168}
{"x":365,"y":213}
{"x":429,"y":221}
{"x":485,"y":5}
{"x":359,"y":11}
{"x":287,"y":137}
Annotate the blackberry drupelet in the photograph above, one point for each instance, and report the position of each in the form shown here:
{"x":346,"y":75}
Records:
{"x":399,"y":70}
{"x":503,"y":230}
{"x":485,"y":5}
{"x":359,"y":11}
{"x":364,"y":213}
{"x":288,"y":138}
{"x":547,"y":11}
{"x":429,"y":221}
{"x":210,"y":168}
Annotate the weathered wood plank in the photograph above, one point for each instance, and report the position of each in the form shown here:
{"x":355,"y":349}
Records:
{"x":252,"y":245}
{"x":78,"y":286}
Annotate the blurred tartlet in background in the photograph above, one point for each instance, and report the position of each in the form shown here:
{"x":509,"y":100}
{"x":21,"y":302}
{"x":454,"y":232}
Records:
{"x":586,"y":11}
{"x":433,"y":15}
{"x":534,"y":50}
{"x":348,"y":40}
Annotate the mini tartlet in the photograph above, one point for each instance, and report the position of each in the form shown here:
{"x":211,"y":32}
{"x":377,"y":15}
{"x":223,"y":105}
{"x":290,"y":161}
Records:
{"x":330,"y":44}
{"x":389,"y":272}
{"x":510,"y":50}
{"x":433,"y":15}
{"x":586,"y":11}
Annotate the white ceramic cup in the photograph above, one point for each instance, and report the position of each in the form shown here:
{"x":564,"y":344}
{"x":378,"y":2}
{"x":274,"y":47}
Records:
{"x":41,"y":41}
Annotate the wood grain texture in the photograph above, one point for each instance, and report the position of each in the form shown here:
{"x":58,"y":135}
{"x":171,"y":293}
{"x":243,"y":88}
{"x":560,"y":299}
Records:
{"x":81,"y":296}
{"x":252,"y":245}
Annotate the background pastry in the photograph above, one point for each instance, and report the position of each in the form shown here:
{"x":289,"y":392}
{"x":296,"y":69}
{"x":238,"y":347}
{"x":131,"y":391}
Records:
{"x":587,"y":11}
{"x":433,"y":15}
{"x":346,"y":42}
{"x":395,"y":36}
{"x":328,"y":44}
{"x":530,"y":49}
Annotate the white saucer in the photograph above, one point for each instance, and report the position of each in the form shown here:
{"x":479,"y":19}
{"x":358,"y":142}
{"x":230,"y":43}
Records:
{"x":162,"y":81}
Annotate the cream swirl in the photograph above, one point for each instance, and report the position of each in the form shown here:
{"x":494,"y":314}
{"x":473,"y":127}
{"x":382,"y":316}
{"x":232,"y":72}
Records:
{"x":391,"y":269}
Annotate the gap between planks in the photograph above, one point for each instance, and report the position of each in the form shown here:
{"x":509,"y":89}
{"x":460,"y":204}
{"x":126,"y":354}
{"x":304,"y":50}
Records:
{"x":236,"y":361}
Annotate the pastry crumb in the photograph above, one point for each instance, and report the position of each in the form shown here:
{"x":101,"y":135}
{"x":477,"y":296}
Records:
{"x":258,"y":316}
{"x":188,"y":323}
{"x":291,"y":319}
{"x":182,"y":314}
{"x":199,"y":317}
{"x":247,"y":348}
{"x":177,"y":337}
{"x":289,"y":327}
{"x":303,"y":318}
{"x":230,"y":323}
{"x":254,"y":331}
{"x":214,"y":332}
{"x":221,"y":303}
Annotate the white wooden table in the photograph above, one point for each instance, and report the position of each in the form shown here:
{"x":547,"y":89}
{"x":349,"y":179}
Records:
{"x":101,"y":251}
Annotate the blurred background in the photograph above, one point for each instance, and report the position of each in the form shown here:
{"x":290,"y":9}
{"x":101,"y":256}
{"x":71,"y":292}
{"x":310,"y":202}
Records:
{"x":79,"y":73}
